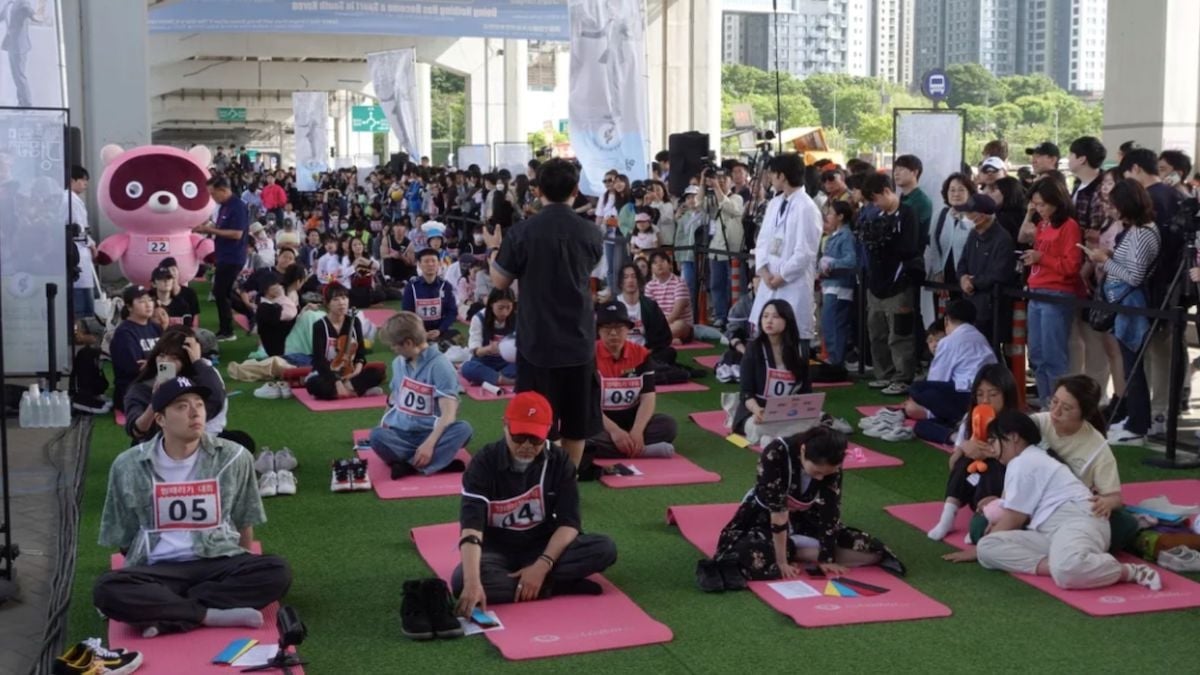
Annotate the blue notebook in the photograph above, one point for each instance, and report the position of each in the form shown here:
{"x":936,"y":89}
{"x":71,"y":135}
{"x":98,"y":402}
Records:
{"x":234,"y":650}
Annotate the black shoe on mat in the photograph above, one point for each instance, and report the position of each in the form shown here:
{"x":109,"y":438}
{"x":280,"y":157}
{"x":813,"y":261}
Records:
{"x":731,"y":575}
{"x":708,"y":576}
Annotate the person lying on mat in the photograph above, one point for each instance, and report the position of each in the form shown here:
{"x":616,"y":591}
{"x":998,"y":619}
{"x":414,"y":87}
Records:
{"x":182,"y":508}
{"x":488,"y":330}
{"x":339,"y":360}
{"x":627,"y":397}
{"x":772,"y":366}
{"x":522,"y":536}
{"x":421,"y":432}
{"x":940,"y":400}
{"x":792,"y":515}
{"x":993,"y":386}
{"x":1047,"y":525}
{"x":431,"y":297}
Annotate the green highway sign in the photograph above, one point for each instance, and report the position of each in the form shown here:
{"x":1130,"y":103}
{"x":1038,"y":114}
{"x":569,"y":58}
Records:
{"x":368,"y":118}
{"x":231,"y":114}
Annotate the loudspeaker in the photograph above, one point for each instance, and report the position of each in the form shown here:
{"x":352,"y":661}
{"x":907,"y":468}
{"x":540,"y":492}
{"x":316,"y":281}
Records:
{"x":398,"y":163}
{"x":687,"y":155}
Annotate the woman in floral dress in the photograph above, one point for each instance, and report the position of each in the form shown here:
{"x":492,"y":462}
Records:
{"x":792,"y":516}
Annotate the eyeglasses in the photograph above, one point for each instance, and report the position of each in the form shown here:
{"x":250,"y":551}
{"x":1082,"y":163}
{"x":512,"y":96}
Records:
{"x":527,"y":439}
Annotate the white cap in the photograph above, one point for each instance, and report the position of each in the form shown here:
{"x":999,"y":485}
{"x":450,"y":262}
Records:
{"x":692,"y":190}
{"x":993,"y":163}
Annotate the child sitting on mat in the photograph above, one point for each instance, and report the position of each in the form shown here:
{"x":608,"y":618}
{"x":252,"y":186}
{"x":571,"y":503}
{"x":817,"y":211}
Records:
{"x":420,"y":432}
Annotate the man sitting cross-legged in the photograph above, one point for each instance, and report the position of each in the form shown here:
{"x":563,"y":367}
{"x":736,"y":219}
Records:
{"x":182,"y":507}
{"x":522,"y":535}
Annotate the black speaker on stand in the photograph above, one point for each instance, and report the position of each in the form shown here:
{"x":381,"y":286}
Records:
{"x":688,"y":152}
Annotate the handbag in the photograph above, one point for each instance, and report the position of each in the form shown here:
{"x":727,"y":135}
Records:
{"x":103,"y":306}
{"x":1103,"y":320}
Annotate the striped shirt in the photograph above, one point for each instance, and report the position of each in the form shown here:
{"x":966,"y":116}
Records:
{"x":1134,"y":256}
{"x":666,"y":293}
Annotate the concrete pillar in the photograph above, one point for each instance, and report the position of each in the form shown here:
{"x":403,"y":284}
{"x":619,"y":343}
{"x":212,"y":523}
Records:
{"x":1152,"y":75}
{"x":516,"y":87}
{"x":683,"y":55}
{"x":108,"y":81}
{"x":485,"y":91}
{"x":425,"y":109}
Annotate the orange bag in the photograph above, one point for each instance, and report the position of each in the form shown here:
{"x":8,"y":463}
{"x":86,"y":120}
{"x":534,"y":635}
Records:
{"x":981,"y":417}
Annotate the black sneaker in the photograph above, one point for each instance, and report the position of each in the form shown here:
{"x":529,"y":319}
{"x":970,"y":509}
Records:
{"x":731,"y":575}
{"x":340,"y":477}
{"x":708,"y":576}
{"x":226,"y":337}
{"x":455,"y":466}
{"x":402,"y":470}
{"x":414,"y":614}
{"x":439,"y":609}
{"x":891,"y":564}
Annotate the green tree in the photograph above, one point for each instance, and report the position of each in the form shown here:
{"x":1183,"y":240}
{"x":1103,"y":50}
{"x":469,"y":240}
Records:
{"x":972,"y":83}
{"x":1016,"y":86}
{"x":448,"y":100}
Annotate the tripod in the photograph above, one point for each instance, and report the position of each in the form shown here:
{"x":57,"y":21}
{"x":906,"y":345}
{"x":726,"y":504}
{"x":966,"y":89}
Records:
{"x":283,"y":660}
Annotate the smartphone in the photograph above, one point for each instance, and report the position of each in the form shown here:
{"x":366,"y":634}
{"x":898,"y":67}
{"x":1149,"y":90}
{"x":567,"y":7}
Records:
{"x":166,"y":371}
{"x":481,"y":618}
{"x":815,"y":571}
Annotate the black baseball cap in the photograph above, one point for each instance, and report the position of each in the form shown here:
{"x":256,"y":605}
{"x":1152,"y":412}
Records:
{"x":170,"y":390}
{"x":979,"y":203}
{"x":1045,"y":148}
{"x":611,"y":313}
{"x":134,"y":292}
{"x":160,"y":273}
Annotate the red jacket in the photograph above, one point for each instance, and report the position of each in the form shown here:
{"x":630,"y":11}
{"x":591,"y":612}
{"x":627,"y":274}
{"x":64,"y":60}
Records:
{"x":273,"y":196}
{"x":1058,"y":269}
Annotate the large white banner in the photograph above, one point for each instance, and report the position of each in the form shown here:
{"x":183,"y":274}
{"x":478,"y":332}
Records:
{"x":311,"y":111}
{"x":33,"y":237}
{"x":608,"y":106}
{"x":394,"y":75}
{"x":30,"y":56}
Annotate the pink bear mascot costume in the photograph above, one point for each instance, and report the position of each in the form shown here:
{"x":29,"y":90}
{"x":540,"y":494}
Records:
{"x":156,"y":194}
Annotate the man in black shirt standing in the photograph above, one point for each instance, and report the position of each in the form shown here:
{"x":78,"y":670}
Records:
{"x":988,"y":259}
{"x":521,"y":528}
{"x":892,"y":240}
{"x":553,"y":254}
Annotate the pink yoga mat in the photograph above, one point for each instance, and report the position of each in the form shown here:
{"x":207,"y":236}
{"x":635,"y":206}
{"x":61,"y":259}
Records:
{"x":378,"y":315}
{"x":868,"y":410}
{"x":301,"y":394}
{"x":701,"y":524}
{"x":190,"y":652}
{"x":694,"y":344}
{"x":1123,"y":598}
{"x":857,"y":457}
{"x":477,"y":393}
{"x":119,"y":418}
{"x":681,"y":388}
{"x":241,"y":320}
{"x":554,"y":627}
{"x":412,"y":487}
{"x":676,"y":470}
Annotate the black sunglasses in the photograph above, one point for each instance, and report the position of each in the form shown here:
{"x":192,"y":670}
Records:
{"x":527,"y":439}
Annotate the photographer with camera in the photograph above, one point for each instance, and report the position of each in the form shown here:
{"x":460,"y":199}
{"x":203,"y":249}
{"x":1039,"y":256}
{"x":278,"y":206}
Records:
{"x":725,"y":233}
{"x":892,"y":240}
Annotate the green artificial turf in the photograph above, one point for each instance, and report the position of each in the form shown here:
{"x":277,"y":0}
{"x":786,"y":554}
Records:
{"x":350,"y":553}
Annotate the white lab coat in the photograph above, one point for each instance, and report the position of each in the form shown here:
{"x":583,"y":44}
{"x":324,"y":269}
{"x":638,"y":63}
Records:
{"x":789,"y":249}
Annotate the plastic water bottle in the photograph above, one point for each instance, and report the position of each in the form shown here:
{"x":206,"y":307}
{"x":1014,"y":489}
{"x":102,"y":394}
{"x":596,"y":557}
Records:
{"x":62,"y":409}
{"x":25,"y":417}
{"x":37,"y":411}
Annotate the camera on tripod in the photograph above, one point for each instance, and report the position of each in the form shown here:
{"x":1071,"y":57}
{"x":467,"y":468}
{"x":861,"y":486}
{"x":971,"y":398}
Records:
{"x":709,"y":173}
{"x":1187,"y":219}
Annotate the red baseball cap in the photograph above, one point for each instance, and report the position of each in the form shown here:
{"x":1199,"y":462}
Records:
{"x":529,"y":413}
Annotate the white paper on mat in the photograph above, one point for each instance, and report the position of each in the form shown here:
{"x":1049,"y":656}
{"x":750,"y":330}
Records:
{"x":791,"y":590}
{"x":472,"y":628}
{"x":258,"y":655}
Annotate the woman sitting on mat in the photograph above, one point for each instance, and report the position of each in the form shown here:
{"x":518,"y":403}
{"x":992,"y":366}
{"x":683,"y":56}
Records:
{"x":339,"y":361}
{"x":772,"y":366}
{"x":1048,"y":526}
{"x":488,"y":329}
{"x":792,"y":515}
{"x":993,"y":386}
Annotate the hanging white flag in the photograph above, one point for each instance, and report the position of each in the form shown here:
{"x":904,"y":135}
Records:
{"x":394,"y":74}
{"x":311,"y":115}
{"x":608,"y":114}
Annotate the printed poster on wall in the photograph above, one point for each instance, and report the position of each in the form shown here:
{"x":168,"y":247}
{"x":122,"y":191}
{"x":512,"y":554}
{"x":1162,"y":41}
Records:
{"x":31,"y":68}
{"x":311,"y":111}
{"x":394,"y":74}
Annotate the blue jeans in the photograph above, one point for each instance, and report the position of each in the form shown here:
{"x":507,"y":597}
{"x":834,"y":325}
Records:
{"x":298,"y":360}
{"x":1049,"y":342}
{"x":488,"y":369}
{"x":616,"y":255}
{"x":84,"y":302}
{"x":394,"y":446}
{"x":687,"y":270}
{"x":835,"y":326}
{"x":718,"y":287}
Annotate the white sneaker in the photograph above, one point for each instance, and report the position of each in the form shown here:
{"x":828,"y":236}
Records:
{"x":285,"y":389}
{"x":1180,"y":559}
{"x":724,"y":373}
{"x":895,"y":389}
{"x":269,"y":390}
{"x":1129,"y":438}
{"x":286,"y":481}
{"x":285,"y":460}
{"x":878,"y":384}
{"x":736,"y":370}
{"x":265,"y":461}
{"x":1145,"y":575}
{"x":881,"y":430}
{"x":837,"y":424}
{"x":373,"y":391}
{"x":897,"y":433}
{"x":1159,"y":426}
{"x":268,"y":484}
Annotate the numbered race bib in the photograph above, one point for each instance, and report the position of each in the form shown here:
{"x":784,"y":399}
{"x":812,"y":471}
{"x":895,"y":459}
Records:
{"x":620,"y":393}
{"x":188,"y":505}
{"x":415,"y":398}
{"x":429,"y":309}
{"x":779,"y":383}
{"x":158,"y":246}
{"x":519,"y":513}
